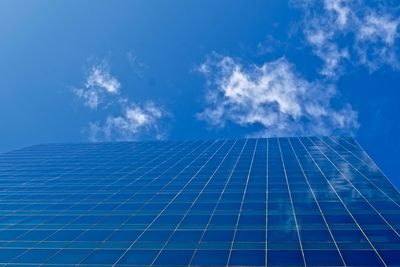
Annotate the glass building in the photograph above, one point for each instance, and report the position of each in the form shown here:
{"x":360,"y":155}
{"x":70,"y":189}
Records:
{"x":247,"y":202}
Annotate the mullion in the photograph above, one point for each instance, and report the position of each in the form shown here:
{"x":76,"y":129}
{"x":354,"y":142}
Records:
{"x":316,"y":201}
{"x":195,"y":158}
{"x":291,"y":201}
{"x":341,"y":200}
{"x":358,"y":191}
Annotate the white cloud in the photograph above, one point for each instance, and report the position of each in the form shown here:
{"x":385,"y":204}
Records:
{"x":376,"y":41}
{"x":331,"y":55}
{"x":340,"y":9}
{"x":138,"y":67}
{"x":134,"y":122}
{"x":98,"y":84}
{"x":90,"y":97}
{"x":124,"y":119}
{"x":100,"y":78}
{"x":349,"y":32}
{"x":271,"y":96}
{"x":378,"y":28}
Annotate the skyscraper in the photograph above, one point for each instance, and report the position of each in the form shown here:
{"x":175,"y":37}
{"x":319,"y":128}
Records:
{"x":246,"y":202}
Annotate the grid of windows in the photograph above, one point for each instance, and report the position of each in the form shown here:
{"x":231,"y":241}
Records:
{"x":315,"y":201}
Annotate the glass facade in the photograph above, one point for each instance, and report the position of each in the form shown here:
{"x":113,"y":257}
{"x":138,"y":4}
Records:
{"x":247,"y":202}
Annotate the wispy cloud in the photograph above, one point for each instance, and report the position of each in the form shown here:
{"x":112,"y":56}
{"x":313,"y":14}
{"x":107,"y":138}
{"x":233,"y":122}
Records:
{"x":135,"y":121}
{"x":99,"y":77}
{"x":125,"y":119}
{"x":138,"y":67}
{"x":99,"y":82}
{"x":271,"y":45}
{"x":376,"y":40}
{"x":350,"y":32}
{"x":272,"y":96}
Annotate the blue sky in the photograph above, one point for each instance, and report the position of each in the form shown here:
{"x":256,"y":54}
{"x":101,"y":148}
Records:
{"x":74,"y":71}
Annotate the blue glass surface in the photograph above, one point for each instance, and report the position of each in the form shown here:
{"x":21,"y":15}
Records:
{"x":210,"y":257}
{"x":136,"y":257}
{"x":174,"y":257}
{"x":35,"y":256}
{"x":103,"y":256}
{"x":391,"y":257}
{"x":318,"y":201}
{"x":323,"y":258}
{"x":362,"y":258}
{"x":69,"y":256}
{"x":6,"y":255}
{"x":285,"y":258}
{"x":247,"y":257}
